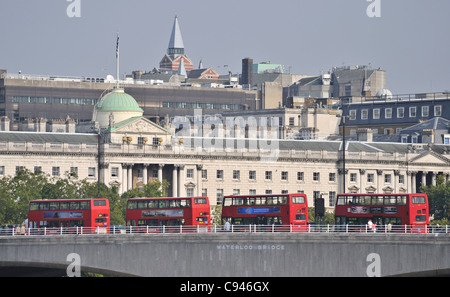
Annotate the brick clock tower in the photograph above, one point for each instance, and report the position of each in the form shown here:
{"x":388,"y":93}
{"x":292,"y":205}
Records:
{"x":175,"y":52}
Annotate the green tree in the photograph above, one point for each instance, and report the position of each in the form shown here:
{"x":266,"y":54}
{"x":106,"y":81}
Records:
{"x":438,"y":198}
{"x":152,"y":189}
{"x":116,"y":202}
{"x":327,"y":219}
{"x":17,"y":191}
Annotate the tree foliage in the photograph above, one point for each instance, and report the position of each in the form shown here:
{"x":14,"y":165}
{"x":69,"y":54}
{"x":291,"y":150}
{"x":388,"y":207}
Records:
{"x":17,"y":191}
{"x":438,"y":198}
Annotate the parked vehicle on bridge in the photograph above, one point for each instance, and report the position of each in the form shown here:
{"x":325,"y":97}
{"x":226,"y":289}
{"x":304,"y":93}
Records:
{"x":168,"y":215}
{"x":282,"y":212}
{"x":382,"y":212}
{"x":69,"y":216}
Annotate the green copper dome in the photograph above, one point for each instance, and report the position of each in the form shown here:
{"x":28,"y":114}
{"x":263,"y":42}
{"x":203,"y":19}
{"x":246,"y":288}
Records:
{"x":117,"y":100}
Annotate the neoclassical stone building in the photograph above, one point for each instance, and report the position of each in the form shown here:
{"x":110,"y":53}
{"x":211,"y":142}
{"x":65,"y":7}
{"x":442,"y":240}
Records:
{"x":130,"y":151}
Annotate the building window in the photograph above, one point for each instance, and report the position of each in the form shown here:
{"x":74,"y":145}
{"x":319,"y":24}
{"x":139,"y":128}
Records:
{"x":387,"y":178}
{"x":352,"y":114}
{"x":291,"y":121}
{"x":400,"y":112}
{"x":204,"y":192}
{"x":370,"y":178}
{"x":236,"y":192}
{"x":425,"y":111}
{"x":91,"y":172}
{"x":236,"y":174}
{"x":219,"y":196}
{"x":404,"y":138}
{"x":252,"y":174}
{"x":284,"y":192}
{"x":19,"y":168}
{"x":284,"y":175}
{"x":376,"y":114}
{"x":2,"y":170}
{"x":331,"y":199}
{"x":353,"y":177}
{"x":388,"y":113}
{"x":268,"y":192}
{"x":446,"y":139}
{"x":190,"y":192}
{"x":438,"y":110}
{"x":37,"y":169}
{"x":348,"y":90}
{"x":316,"y":194}
{"x":401,"y":179}
{"x":73,"y":171}
{"x":332,"y":177}
{"x":204,"y":174}
{"x":364,"y":114}
{"x":412,"y":112}
{"x":252,"y":192}
{"x":154,"y":173}
{"x":316,"y":176}
{"x":300,"y":176}
{"x":219,"y":174}
{"x":115,"y":172}
{"x":268,"y":175}
{"x":190,"y":173}
{"x":55,"y":171}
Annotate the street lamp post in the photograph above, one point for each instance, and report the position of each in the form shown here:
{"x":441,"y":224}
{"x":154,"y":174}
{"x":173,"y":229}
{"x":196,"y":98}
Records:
{"x":343,"y":149}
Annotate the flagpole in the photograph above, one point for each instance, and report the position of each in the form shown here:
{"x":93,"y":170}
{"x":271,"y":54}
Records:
{"x":117,"y":61}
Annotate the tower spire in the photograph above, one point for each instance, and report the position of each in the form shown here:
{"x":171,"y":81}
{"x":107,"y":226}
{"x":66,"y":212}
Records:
{"x":176,"y":45}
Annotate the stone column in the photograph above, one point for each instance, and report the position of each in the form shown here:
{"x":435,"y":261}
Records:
{"x":396,"y":181}
{"x":145,"y":173}
{"x":124,"y":178}
{"x":175,"y":181}
{"x":160,"y":172}
{"x":408,"y":182}
{"x":413,"y":181}
{"x":379,"y":183}
{"x":424,"y":178}
{"x":181,"y":189}
{"x":130,"y":177}
{"x":362,"y":180}
{"x":433,"y":178}
{"x":199,"y":179}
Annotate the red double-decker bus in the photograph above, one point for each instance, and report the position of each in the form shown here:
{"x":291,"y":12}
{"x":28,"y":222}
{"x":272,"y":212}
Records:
{"x":383,"y":212}
{"x":69,"y":215}
{"x":287,"y":212}
{"x":150,"y":215}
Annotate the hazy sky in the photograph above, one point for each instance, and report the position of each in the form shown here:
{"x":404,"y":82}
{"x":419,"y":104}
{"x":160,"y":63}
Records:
{"x":410,"y":40}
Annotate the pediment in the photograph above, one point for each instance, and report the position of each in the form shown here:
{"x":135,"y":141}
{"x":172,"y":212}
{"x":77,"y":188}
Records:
{"x":429,"y":158}
{"x":353,"y":189}
{"x":140,"y":125}
{"x":371,"y":189}
{"x":190,"y":185}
